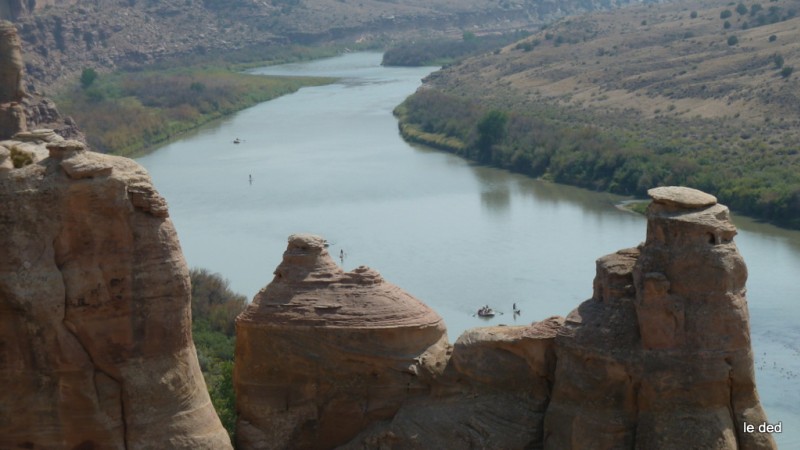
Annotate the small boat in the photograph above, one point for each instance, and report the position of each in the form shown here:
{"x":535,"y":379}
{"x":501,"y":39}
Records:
{"x":237,"y":141}
{"x":485,"y":311}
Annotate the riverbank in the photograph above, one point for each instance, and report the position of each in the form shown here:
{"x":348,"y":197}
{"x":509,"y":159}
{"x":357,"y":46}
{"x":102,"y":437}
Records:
{"x":130,"y":113}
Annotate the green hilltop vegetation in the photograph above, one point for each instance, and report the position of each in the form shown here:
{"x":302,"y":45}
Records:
{"x":130,"y":111}
{"x":680,"y":93}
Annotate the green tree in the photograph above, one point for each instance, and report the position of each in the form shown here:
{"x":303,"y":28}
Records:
{"x":733,"y":40}
{"x":725,"y":14}
{"x":491,"y":130}
{"x":87,"y":77}
{"x":741,"y":9}
{"x":693,"y":14}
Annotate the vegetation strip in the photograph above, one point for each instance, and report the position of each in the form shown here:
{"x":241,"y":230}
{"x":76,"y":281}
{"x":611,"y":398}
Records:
{"x":127,"y":113}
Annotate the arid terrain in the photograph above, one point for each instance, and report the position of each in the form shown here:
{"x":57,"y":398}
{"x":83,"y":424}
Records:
{"x":700,"y":94}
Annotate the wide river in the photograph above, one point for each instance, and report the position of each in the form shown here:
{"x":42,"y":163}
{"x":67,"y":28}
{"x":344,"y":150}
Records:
{"x":329,"y":160}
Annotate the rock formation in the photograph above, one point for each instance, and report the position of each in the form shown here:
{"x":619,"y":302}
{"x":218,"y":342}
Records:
{"x":12,"y":115}
{"x":322,"y":353}
{"x":658,"y":358}
{"x":95,"y":337}
{"x":20,"y":110}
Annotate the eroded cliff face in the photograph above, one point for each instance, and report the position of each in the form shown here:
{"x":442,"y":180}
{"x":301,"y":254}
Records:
{"x":95,"y":332}
{"x":658,"y":358}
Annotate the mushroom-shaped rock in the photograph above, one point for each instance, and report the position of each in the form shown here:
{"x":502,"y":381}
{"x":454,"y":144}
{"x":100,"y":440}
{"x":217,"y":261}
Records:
{"x":322,"y":353}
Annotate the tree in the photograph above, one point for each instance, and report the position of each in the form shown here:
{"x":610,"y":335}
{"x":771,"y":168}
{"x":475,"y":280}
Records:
{"x":491,"y":130}
{"x":693,"y":14}
{"x":741,"y":9}
{"x":87,"y":77}
{"x":725,"y":14}
{"x":733,"y":40}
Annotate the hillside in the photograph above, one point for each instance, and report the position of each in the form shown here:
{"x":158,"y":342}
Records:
{"x":62,"y":37}
{"x":643,"y":96}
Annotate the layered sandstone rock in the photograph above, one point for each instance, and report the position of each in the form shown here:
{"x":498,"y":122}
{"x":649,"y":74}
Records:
{"x":322,"y":353}
{"x":95,"y":336}
{"x":660,"y":357}
{"x":492,"y":395}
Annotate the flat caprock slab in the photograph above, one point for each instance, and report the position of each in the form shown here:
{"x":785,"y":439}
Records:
{"x":681,"y":196}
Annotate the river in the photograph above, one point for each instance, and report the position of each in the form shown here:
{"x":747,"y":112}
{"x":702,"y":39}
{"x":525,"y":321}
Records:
{"x":329,"y":160}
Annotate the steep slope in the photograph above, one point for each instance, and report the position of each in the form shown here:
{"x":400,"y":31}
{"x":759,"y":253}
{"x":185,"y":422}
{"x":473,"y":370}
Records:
{"x":63,"y":37}
{"x":95,"y":326}
{"x":678,"y":93}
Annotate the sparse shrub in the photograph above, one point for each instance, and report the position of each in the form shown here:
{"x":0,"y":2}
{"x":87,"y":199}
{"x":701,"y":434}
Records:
{"x":741,"y":9}
{"x":725,"y":14}
{"x":786,"y":72}
{"x":726,"y":25}
{"x":644,"y":22}
{"x":733,"y":40}
{"x":777,"y":60}
{"x":87,"y":77}
{"x":773,"y":38}
{"x":693,"y":15}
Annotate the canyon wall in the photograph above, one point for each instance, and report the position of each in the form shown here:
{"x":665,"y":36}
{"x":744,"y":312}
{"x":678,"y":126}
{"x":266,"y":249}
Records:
{"x":658,"y":358}
{"x":62,"y":37}
{"x":95,"y":321}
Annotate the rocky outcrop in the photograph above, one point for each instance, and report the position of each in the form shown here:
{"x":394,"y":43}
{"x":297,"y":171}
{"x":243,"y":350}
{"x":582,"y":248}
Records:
{"x":322,"y":353}
{"x":12,"y":115}
{"x":658,"y":358}
{"x":95,"y":338}
{"x":20,"y":110}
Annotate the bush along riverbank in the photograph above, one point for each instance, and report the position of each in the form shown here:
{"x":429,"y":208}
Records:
{"x":129,"y":112}
{"x":625,"y":157}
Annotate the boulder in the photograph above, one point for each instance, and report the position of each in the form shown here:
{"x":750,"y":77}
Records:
{"x":95,"y":321}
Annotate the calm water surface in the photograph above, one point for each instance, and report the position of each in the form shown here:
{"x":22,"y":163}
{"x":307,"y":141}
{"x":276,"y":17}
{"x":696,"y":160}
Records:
{"x":329,"y":160}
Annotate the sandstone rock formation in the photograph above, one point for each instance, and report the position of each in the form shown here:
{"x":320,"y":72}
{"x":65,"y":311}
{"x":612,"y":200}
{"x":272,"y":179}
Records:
{"x":12,"y":116}
{"x":322,"y":353}
{"x":20,"y":110}
{"x":95,"y":336}
{"x":658,"y":358}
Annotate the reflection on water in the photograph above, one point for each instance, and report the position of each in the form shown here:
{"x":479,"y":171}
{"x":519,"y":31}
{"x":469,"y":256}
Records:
{"x":329,"y":160}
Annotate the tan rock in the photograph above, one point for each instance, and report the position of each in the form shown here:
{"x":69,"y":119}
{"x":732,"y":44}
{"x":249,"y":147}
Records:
{"x":12,"y":114}
{"x":322,"y":353}
{"x":95,"y":314}
{"x":660,"y":357}
{"x":682,"y":197}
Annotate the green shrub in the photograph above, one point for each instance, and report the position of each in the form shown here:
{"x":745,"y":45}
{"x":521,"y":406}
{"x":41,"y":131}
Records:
{"x":87,"y":77}
{"x":786,"y":72}
{"x":733,"y":40}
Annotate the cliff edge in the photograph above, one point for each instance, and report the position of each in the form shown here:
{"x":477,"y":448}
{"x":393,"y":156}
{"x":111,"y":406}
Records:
{"x":658,"y":358}
{"x":95,"y":322}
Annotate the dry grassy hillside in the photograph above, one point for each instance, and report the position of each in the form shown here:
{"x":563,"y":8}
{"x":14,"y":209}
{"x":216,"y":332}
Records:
{"x":657,"y":61}
{"x":699,"y":93}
